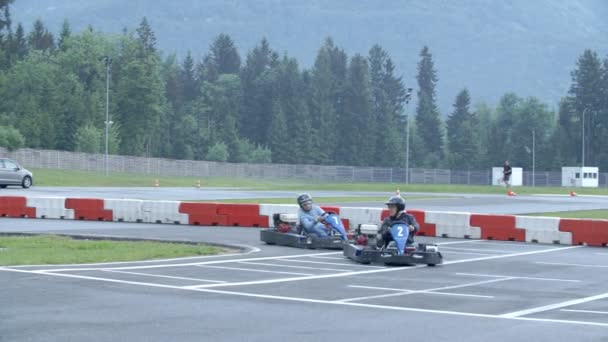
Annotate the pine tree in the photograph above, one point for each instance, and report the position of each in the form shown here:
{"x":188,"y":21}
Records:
{"x":428,"y":119}
{"x":280,"y":141}
{"x":20,"y":43}
{"x":462,"y":134}
{"x":40,"y":38}
{"x":223,"y":56}
{"x":146,"y":39}
{"x":187,"y":78}
{"x":65,"y":34}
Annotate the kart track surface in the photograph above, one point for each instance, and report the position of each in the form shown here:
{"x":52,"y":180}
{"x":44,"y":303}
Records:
{"x":479,"y":203}
{"x":484,"y":291}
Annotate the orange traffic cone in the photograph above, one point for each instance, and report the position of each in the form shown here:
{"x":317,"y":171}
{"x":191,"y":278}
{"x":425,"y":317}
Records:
{"x":573,"y":194}
{"x":398,"y":193}
{"x":511,"y":193}
{"x":198,"y":184}
{"x":156,"y":183}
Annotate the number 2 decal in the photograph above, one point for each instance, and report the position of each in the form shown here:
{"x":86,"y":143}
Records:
{"x":400,"y":231}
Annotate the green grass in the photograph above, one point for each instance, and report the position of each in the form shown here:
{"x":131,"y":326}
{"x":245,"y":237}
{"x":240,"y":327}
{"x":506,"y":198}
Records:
{"x":586,"y":214}
{"x":63,"y":178}
{"x":52,"y":249}
{"x":320,"y":200}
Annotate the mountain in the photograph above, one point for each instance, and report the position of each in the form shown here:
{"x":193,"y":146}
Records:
{"x":490,"y":47}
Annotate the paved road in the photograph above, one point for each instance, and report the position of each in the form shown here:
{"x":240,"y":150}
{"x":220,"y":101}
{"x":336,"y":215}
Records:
{"x":479,"y":203}
{"x":485,"y":291}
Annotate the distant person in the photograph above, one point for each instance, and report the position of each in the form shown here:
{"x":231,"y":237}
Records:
{"x":507,"y":171}
{"x":310,"y":216}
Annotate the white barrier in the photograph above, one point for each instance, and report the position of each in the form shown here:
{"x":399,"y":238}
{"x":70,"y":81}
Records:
{"x":270,"y":209}
{"x":543,"y":229}
{"x":452,"y":224}
{"x":358,"y":216}
{"x":163,"y":212}
{"x":125,"y":210}
{"x":50,"y":207}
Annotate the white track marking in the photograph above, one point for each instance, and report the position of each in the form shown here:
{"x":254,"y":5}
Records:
{"x":514,"y":244}
{"x":309,"y":300}
{"x":554,"y":306}
{"x":518,"y":277}
{"x":419,"y":291}
{"x":601,"y":253}
{"x":408,"y":292}
{"x":469,"y":253}
{"x":166,"y":276}
{"x":252,"y":250}
{"x":332,"y":263}
{"x":586,"y":311}
{"x":477,"y":249}
{"x":323,"y":257}
{"x":253,"y":270}
{"x":292,"y":266}
{"x":457,"y":242}
{"x":566,"y":264}
{"x":214,"y":262}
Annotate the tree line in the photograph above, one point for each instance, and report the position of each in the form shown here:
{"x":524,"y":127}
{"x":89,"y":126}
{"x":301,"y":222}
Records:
{"x":265,"y":107}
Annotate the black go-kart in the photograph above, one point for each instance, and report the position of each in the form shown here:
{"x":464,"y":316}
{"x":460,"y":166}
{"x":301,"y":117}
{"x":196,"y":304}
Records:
{"x":287,"y":232}
{"x":364,"y":248}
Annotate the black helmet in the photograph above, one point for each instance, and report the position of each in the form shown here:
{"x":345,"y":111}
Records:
{"x":304,"y":198}
{"x":398,"y":201}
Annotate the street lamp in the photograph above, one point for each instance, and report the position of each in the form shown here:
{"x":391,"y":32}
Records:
{"x":107,"y":122}
{"x":408,"y":97}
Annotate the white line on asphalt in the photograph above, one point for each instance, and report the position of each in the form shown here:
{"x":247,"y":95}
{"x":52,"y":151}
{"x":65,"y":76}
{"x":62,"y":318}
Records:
{"x":477,"y":249}
{"x":518,"y":277}
{"x":332,"y":263}
{"x":214,"y":262}
{"x":307,"y":300}
{"x":601,"y":253}
{"x":292,"y":266}
{"x":324,"y":257}
{"x":586,"y":311}
{"x":554,"y":306}
{"x":253,"y":270}
{"x":404,"y":292}
{"x":470,"y":253}
{"x":457,"y":242}
{"x":567,"y":264}
{"x":166,"y":276}
{"x":420,"y":291}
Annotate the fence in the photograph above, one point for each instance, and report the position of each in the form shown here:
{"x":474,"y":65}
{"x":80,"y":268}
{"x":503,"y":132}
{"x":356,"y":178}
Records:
{"x":168,"y":167}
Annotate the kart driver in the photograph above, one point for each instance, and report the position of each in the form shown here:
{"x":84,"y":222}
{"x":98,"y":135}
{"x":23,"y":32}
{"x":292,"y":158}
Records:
{"x":310,"y":216}
{"x":396,"y":207}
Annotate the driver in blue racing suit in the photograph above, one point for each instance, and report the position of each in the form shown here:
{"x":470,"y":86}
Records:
{"x":310,"y":216}
{"x":396,"y":207}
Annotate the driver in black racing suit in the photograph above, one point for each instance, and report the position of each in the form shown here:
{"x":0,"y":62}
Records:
{"x":396,"y":207}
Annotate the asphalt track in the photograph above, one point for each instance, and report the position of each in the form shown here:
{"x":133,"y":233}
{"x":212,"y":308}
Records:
{"x":477,"y":203}
{"x":485,"y":291}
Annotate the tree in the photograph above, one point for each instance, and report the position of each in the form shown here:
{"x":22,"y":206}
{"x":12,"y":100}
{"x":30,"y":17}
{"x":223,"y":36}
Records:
{"x":146,"y":39}
{"x":357,"y":120}
{"x":11,"y":138}
{"x":218,"y":152}
{"x":223,"y":56}
{"x":65,"y":34}
{"x":40,"y":38}
{"x":463,"y":140}
{"x":280,"y":143}
{"x":88,"y":139}
{"x":428,"y":119}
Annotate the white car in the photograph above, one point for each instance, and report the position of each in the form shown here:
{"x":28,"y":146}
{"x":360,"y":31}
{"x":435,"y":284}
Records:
{"x":11,"y":173}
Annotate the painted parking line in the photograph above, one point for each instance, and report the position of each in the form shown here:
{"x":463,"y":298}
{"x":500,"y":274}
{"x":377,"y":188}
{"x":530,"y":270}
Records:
{"x":518,"y":277}
{"x":554,"y":306}
{"x":586,"y":311}
{"x":166,"y":276}
{"x":292,"y":266}
{"x":419,"y":291}
{"x":567,"y":264}
{"x":253,"y":270}
{"x":408,"y":292}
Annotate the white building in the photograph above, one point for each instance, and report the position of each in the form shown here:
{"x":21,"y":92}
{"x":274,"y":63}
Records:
{"x":586,"y":177}
{"x":515,"y":180}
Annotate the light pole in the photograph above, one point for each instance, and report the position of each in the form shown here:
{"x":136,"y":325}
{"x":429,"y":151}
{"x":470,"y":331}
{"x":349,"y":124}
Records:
{"x":533,"y":157}
{"x":108,"y":62}
{"x":408,"y":97}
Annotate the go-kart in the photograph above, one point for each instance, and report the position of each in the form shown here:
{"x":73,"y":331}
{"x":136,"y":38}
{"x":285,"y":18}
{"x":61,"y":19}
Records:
{"x":364,"y":248}
{"x":287,"y":232}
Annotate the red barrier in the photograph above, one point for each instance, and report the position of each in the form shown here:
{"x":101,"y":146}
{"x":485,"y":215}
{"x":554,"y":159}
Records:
{"x":426,"y":229}
{"x":203,"y":214}
{"x":582,"y":231}
{"x":89,"y":209}
{"x":248,"y":221}
{"x":15,"y":206}
{"x":498,"y":227}
{"x":238,"y":209}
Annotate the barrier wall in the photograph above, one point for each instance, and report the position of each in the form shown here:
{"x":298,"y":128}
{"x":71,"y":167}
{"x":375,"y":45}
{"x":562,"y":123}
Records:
{"x":432,"y":223}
